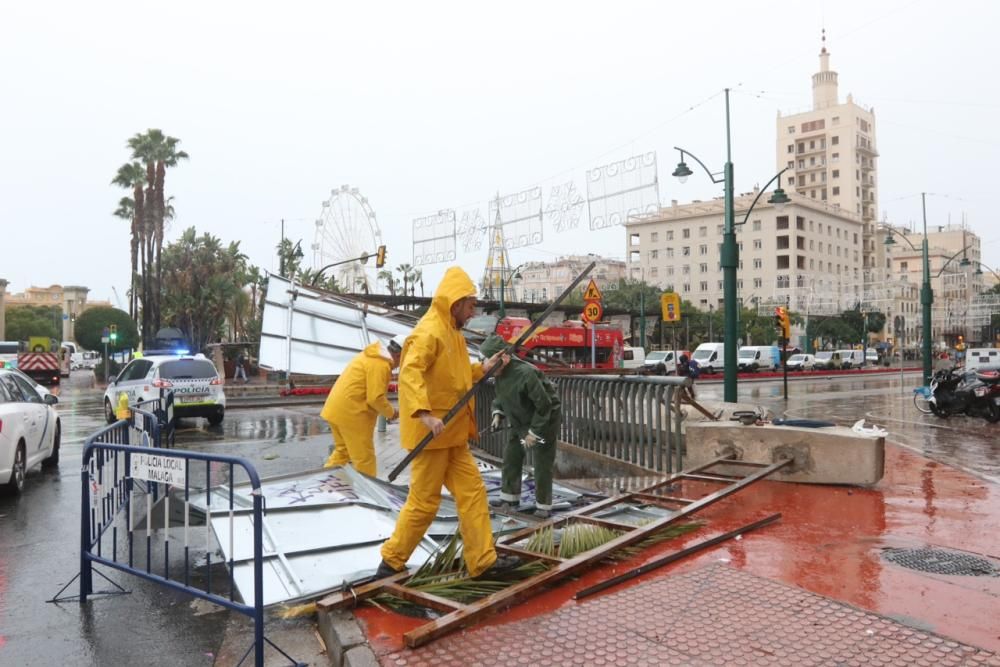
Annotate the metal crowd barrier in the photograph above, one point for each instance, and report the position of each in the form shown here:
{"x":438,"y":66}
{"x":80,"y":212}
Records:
{"x":626,"y":418}
{"x":163,"y":409}
{"x":125,"y":526}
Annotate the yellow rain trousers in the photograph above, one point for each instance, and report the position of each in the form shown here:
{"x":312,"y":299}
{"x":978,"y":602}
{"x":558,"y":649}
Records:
{"x":434,"y":374}
{"x":354,"y":403}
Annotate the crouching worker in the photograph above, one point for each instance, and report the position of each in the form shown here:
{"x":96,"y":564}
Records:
{"x":435,"y":374}
{"x":357,"y":399}
{"x":528,"y":401}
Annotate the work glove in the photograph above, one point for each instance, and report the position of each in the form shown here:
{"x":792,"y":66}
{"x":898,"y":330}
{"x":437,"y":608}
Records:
{"x":497,"y":422}
{"x":531,"y":440}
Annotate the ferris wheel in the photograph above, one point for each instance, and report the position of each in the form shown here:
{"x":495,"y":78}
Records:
{"x":345,"y":230}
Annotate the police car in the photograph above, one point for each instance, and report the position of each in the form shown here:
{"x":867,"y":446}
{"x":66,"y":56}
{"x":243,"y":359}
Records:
{"x":193,"y":379}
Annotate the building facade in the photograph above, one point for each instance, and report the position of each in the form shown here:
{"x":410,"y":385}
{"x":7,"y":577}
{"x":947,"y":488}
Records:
{"x":70,"y":299}
{"x":538,"y":282}
{"x":831,"y":155}
{"x":806,"y":253}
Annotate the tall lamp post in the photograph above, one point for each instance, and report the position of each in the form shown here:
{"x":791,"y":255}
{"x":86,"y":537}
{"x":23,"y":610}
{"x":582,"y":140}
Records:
{"x":503,"y":282}
{"x":730,"y":259}
{"x":926,"y":293}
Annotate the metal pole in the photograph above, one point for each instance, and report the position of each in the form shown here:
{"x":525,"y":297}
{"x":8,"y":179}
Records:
{"x":710,"y":323}
{"x":107,"y":364}
{"x":593,"y":344}
{"x":730,"y":262}
{"x":926,"y":297}
{"x":642,"y":313}
{"x":503,"y":312}
{"x":784,"y":364}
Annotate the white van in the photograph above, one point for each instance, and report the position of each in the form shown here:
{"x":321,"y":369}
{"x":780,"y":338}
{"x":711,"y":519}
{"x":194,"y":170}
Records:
{"x":978,"y":357}
{"x":709,"y":357}
{"x":852,"y":358}
{"x":755,"y":358}
{"x":633,"y":357}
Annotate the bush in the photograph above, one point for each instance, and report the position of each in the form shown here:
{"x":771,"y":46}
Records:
{"x":115,"y":369}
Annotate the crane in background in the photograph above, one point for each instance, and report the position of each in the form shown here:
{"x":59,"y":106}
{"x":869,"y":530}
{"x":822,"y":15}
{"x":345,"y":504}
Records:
{"x":118,"y":299}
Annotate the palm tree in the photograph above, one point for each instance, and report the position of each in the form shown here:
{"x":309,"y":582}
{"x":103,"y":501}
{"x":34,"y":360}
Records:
{"x":386,"y":275}
{"x":416,"y":276}
{"x":157,"y":151}
{"x":406,"y":270}
{"x":132,"y":176}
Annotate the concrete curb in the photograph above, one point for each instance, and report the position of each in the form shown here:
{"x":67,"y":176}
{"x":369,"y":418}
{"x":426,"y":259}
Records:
{"x":346,"y":645}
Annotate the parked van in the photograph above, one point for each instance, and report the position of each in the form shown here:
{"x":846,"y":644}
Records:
{"x":709,"y":357}
{"x":852,"y":358}
{"x":753,"y":358}
{"x":978,"y":357}
{"x":828,"y":361}
{"x":633,"y":357}
{"x":663,"y":362}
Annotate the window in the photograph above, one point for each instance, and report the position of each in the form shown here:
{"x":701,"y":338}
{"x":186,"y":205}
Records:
{"x":812,"y":145}
{"x":757,"y":244}
{"x":670,"y":270}
{"x":782,"y":242}
{"x":800,"y":222}
{"x":836,"y":120}
{"x":835,"y":157}
{"x":654,"y":237}
{"x":686,"y":269}
{"x":812,"y":177}
{"x":758,"y":263}
{"x":703,"y":267}
{"x":835,"y":140}
{"x":836,"y":190}
{"x":687,"y":287}
{"x":836,"y":173}
{"x":904,"y":266}
{"x":791,"y":148}
{"x":758,"y":282}
{"x":781,"y":222}
{"x":703,"y":249}
{"x":800,"y":263}
{"x":686,"y":251}
{"x":802,"y":164}
{"x":703,"y":231}
{"x":703,"y":285}
{"x":812,"y":193}
{"x":812,"y":244}
{"x":802,"y":180}
{"x":670,"y":252}
{"x":670,"y":235}
{"x":686,"y":233}
{"x":654,"y":271}
{"x":633,"y":240}
{"x":791,"y":129}
{"x":800,"y":242}
{"x":756,"y":225}
{"x":855,"y":238}
{"x":719,"y":229}
{"x":654,"y":254}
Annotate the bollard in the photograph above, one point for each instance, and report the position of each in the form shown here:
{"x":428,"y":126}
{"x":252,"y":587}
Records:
{"x":122,"y":411}
{"x":380,"y":424}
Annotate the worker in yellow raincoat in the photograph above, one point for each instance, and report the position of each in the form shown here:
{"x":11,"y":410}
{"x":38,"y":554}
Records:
{"x":435,"y":373}
{"x":356,"y":400}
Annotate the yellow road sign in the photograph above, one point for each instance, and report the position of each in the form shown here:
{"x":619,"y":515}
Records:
{"x":670,"y":305}
{"x":593,"y":311}
{"x":592,"y":293}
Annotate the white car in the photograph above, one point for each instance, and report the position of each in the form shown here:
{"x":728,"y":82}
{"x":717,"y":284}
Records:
{"x":193,"y":379}
{"x":29,"y":430}
{"x":801,"y":362}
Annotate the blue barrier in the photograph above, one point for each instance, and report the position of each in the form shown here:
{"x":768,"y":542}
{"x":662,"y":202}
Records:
{"x":123,"y":470}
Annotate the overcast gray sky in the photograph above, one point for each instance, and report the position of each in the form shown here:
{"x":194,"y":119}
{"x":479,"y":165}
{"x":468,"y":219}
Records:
{"x":426,"y":106}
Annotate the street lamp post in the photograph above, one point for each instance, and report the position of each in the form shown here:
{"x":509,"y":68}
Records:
{"x":730,"y":259}
{"x":503,"y":282}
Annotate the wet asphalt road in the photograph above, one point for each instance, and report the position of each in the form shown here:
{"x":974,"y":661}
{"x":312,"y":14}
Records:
{"x":39,"y":531}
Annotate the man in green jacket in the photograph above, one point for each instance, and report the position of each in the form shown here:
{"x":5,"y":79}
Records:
{"x":528,"y":401}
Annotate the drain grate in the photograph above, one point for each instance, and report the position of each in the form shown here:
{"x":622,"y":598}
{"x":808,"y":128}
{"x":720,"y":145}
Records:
{"x":939,"y":561}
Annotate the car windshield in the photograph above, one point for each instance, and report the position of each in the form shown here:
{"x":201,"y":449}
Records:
{"x":824,"y":355}
{"x":797,"y":357}
{"x":188,"y":369}
{"x":656,"y":356}
{"x":702,"y":354}
{"x":748,"y":354}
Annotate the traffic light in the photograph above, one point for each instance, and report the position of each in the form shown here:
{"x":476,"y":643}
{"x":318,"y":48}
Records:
{"x":113,"y":333}
{"x":380,"y":257}
{"x":781,"y":322}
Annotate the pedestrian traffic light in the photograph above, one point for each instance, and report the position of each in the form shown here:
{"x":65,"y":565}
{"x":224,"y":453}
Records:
{"x":781,"y":322}
{"x":113,"y":334}
{"x":380,"y":257}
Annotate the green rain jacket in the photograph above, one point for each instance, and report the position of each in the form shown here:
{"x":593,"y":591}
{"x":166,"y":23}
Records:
{"x":524,"y":396}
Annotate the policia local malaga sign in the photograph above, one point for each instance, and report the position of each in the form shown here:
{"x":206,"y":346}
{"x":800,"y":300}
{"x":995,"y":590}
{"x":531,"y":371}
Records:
{"x":157,"y":468}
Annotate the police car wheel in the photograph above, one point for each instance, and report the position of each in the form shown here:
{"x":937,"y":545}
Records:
{"x":216,"y":419}
{"x":109,"y":413}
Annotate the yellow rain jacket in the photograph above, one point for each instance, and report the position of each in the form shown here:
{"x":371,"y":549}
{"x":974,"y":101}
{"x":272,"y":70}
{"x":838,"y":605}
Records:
{"x":354,"y":403}
{"x":435,"y":370}
{"x":435,"y":373}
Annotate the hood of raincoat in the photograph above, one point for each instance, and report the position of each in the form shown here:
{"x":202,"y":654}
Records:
{"x":455,"y":286}
{"x":492,"y":345}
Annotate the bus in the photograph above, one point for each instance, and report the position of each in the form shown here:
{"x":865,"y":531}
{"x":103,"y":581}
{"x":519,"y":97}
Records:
{"x":567,"y":345}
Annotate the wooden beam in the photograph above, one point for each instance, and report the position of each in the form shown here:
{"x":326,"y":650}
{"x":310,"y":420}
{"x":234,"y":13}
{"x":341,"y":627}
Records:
{"x":349,"y":598}
{"x":524,"y":553}
{"x":422,"y":598}
{"x":652,"y":497}
{"x":606,"y":523}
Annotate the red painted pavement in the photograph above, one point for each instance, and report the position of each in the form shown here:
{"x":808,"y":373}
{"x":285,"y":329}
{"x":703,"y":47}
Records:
{"x":828,"y":542}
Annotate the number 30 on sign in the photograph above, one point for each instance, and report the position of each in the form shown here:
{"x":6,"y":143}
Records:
{"x":593,"y":311}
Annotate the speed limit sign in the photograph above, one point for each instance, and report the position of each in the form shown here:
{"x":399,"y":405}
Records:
{"x":593,"y":311}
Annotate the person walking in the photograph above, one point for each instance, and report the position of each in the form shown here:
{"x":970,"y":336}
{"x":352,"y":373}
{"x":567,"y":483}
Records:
{"x":688,"y":368}
{"x":356,"y":400}
{"x":530,"y":405}
{"x":435,"y":373}
{"x":240,"y":373}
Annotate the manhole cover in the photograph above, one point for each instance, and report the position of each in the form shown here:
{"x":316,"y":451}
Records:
{"x":939,"y":561}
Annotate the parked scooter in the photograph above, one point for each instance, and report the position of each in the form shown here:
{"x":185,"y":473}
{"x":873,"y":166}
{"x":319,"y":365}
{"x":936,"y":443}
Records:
{"x":974,"y":394}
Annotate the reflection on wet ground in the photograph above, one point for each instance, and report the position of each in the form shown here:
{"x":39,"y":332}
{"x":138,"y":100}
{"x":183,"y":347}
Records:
{"x":965,"y":442}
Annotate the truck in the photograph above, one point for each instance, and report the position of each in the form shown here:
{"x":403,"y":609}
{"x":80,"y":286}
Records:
{"x":39,"y":359}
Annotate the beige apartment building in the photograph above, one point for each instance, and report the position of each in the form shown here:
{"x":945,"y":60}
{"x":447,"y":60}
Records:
{"x":71,"y":299}
{"x":831,"y":155}
{"x":542,"y":281}
{"x":805,"y":253}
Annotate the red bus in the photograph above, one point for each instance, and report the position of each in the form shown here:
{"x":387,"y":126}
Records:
{"x":567,"y":345}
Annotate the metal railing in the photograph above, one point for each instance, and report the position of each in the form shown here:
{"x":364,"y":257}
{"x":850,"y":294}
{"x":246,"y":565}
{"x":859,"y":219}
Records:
{"x":626,"y":418}
{"x":126,"y":522}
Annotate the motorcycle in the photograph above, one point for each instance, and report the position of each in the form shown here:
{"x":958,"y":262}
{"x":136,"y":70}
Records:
{"x":976,"y":394}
